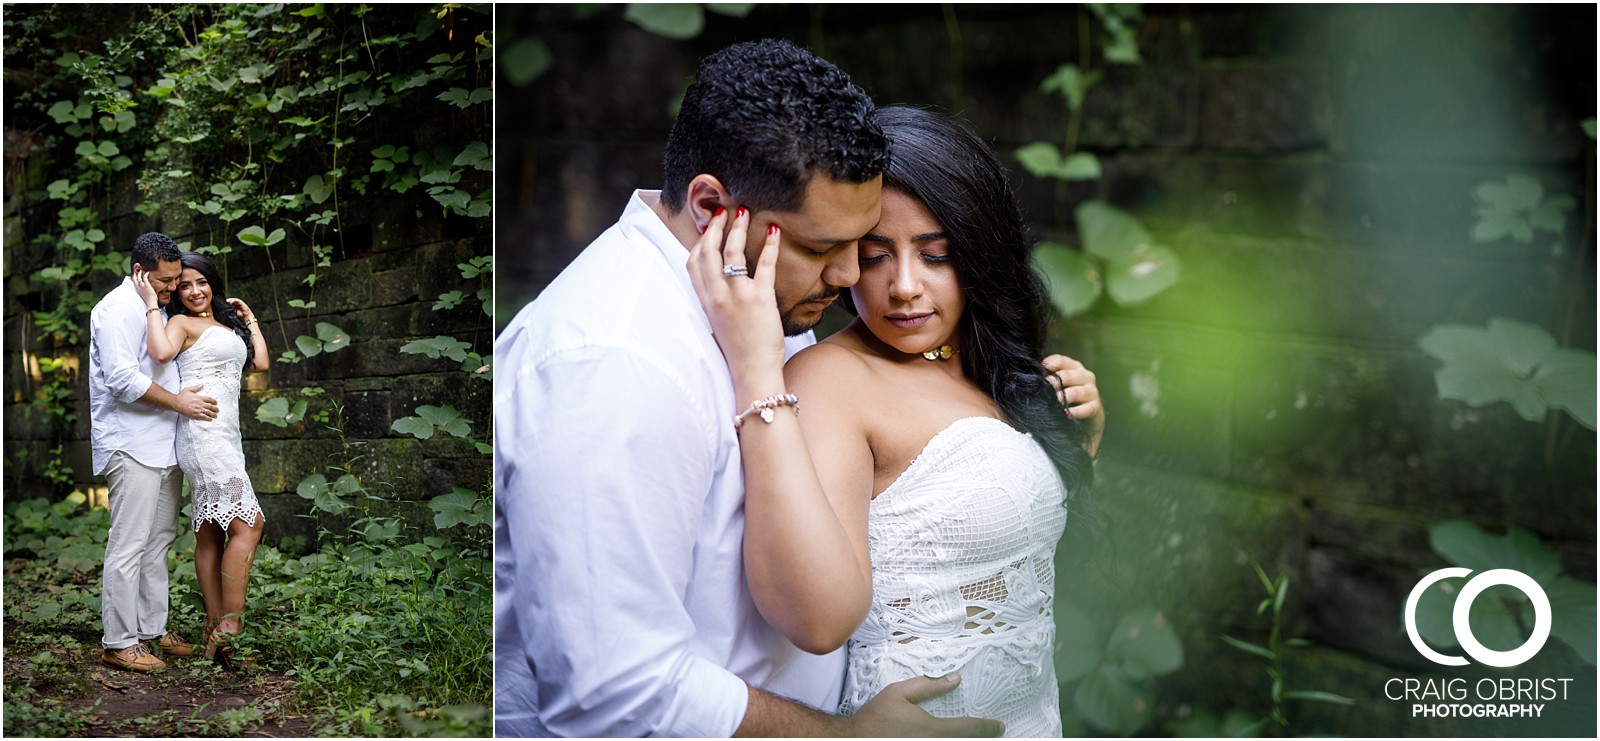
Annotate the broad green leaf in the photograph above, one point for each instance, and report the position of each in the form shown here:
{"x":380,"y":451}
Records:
{"x":380,"y":530}
{"x":332,"y":338}
{"x":1495,"y":224}
{"x":439,"y":416}
{"x":318,"y":189}
{"x":453,"y":198}
{"x":1566,"y":379}
{"x":1588,"y":130}
{"x":524,"y":61}
{"x":62,"y":112}
{"x":436,"y":347}
{"x":1572,"y":614}
{"x":308,"y":346}
{"x":1517,"y":193}
{"x":1462,"y":543}
{"x":1494,"y":622}
{"x":1109,"y":232}
{"x":448,"y":300}
{"x":1078,"y":644}
{"x":310,"y":485}
{"x":82,"y":557}
{"x":274,"y":411}
{"x":1143,"y":645}
{"x":1071,"y":83}
{"x":1122,"y":47}
{"x":258,"y":237}
{"x":1498,"y":363}
{"x":1042,"y":159}
{"x":1434,"y":621}
{"x":1110,"y":703}
{"x":1138,"y":278}
{"x":1080,"y":166}
{"x":459,"y":507}
{"x":736,"y":10}
{"x":1072,"y":280}
{"x":1551,"y":216}
{"x":678,"y":21}
{"x":414,"y":426}
{"x":476,"y":156}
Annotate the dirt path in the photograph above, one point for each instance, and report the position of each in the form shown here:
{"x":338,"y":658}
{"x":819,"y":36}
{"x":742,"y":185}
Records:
{"x":66,"y":690}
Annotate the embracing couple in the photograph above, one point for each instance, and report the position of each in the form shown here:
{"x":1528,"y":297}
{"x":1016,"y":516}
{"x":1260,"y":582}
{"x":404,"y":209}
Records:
{"x":164,"y":404}
{"x":680,"y":550}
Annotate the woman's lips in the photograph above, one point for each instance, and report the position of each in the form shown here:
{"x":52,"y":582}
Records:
{"x":908,"y":321}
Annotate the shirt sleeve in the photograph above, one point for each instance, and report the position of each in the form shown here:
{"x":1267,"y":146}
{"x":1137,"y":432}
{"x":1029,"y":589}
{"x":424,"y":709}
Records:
{"x":119,"y":336}
{"x":603,"y":476}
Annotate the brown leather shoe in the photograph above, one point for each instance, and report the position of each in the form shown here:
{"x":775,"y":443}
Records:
{"x":135,"y":658}
{"x":172,"y":644}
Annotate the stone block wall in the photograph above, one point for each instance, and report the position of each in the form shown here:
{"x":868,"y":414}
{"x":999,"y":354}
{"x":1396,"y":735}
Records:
{"x":1314,"y":167}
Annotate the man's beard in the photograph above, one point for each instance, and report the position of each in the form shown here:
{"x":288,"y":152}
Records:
{"x":793,"y":325}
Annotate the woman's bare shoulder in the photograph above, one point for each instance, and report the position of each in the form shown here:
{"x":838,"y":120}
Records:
{"x":826,"y":360}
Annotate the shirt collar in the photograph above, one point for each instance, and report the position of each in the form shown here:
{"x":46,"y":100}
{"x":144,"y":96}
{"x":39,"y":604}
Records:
{"x":640,"y":220}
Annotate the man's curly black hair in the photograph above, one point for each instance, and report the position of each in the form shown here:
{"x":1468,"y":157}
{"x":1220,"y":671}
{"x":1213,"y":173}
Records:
{"x":152,"y":248}
{"x":761,"y":116}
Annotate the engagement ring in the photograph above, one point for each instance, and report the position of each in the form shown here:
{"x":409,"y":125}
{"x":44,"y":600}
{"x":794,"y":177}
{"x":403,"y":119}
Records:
{"x":729,"y":271}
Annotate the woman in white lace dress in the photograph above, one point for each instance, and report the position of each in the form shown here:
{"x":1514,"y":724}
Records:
{"x":915,"y":507}
{"x":215,"y":340}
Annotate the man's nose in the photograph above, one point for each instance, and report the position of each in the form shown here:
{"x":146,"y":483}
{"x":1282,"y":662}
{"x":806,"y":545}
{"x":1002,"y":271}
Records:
{"x":843,"y":270}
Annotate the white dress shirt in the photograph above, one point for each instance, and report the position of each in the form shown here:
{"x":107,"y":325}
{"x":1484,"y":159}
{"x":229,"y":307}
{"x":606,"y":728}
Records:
{"x":120,"y":372}
{"x":620,"y":602}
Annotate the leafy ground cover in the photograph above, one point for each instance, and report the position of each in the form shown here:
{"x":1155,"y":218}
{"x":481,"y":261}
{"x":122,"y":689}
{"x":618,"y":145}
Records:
{"x":387,"y":633}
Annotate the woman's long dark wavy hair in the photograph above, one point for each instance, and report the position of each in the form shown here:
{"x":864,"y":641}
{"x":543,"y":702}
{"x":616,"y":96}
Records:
{"x":221,"y":310}
{"x":942,"y":163}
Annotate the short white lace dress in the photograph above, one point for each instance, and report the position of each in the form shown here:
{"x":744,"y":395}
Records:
{"x":963,"y":579}
{"x":209,"y":451}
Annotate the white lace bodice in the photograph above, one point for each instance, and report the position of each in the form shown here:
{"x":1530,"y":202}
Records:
{"x":210,"y":451}
{"x":962,"y":547}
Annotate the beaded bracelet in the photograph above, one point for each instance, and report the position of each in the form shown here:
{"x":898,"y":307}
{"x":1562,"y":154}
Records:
{"x":764,"y":408}
{"x":153,"y":308}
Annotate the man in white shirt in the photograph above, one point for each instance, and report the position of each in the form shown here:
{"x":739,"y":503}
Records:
{"x":620,"y":602}
{"x":133,"y":423}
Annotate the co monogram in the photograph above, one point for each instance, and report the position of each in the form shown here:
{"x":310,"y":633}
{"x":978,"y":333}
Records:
{"x":1463,"y":629}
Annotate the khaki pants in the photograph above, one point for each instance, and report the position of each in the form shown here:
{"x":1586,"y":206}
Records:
{"x":144,"y":522}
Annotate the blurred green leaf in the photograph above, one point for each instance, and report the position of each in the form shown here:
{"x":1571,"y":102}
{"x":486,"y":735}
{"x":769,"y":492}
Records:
{"x":1071,"y":83}
{"x":1143,"y":645}
{"x":1111,"y":703}
{"x":1465,"y":544}
{"x":1078,"y":644}
{"x":525,"y":60}
{"x":1073,"y":281}
{"x":1248,"y":647}
{"x":1137,"y":278}
{"x":678,"y":21}
{"x":1514,"y":362}
{"x":1317,"y":696}
{"x":1572,"y":615}
{"x":1109,"y":232}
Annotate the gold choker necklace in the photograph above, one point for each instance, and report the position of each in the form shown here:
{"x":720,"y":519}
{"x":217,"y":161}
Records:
{"x":942,"y":352}
{"x":204,"y":315}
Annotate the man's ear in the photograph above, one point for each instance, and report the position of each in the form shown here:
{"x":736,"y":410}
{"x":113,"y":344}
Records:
{"x":706,"y":196}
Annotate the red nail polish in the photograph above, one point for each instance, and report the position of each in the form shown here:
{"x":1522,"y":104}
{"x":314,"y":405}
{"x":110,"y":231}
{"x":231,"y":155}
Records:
{"x":772,"y":229}
{"x":718,"y":213}
{"x":740,"y":213}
